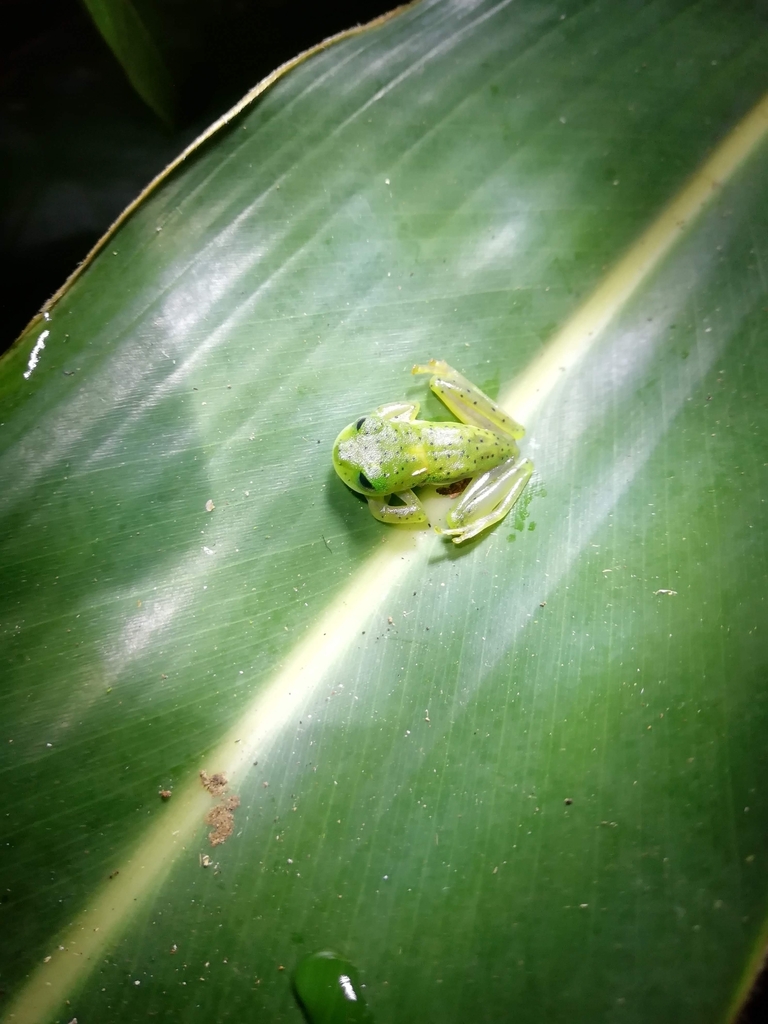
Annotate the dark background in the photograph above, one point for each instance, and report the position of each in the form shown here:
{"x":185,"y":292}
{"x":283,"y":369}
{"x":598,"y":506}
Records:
{"x":77,"y":144}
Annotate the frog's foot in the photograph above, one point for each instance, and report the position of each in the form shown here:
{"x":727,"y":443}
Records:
{"x":411,"y":511}
{"x":398,"y":411}
{"x":487,"y":500}
{"x":433,"y":366}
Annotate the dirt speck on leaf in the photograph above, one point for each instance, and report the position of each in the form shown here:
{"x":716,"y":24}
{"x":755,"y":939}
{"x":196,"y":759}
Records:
{"x":222,"y":820}
{"x":215,"y":784}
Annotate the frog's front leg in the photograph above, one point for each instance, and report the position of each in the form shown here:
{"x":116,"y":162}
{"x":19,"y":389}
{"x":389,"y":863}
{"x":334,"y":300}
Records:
{"x":487,"y":499}
{"x":467,"y":402}
{"x":411,"y":511}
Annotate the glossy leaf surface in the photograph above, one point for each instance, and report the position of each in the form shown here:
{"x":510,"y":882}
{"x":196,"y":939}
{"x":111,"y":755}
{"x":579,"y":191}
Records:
{"x":521,"y":780}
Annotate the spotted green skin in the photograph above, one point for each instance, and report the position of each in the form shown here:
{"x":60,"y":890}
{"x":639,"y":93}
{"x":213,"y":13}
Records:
{"x":391,"y":451}
{"x":393,"y":455}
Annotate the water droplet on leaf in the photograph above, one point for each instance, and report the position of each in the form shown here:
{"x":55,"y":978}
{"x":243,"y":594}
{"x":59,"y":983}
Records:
{"x":328,"y":989}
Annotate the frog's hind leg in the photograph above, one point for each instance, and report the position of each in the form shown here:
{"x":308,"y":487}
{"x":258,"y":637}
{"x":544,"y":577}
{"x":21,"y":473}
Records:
{"x":467,"y":402}
{"x":411,"y":511}
{"x":487,"y":500}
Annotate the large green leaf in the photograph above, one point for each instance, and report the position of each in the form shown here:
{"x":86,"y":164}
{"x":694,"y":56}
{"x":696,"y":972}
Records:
{"x":511,"y":781}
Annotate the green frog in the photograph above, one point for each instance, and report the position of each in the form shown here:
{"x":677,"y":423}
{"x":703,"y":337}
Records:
{"x":390,"y":451}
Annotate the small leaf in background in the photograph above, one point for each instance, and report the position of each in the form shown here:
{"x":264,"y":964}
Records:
{"x":129,"y":38}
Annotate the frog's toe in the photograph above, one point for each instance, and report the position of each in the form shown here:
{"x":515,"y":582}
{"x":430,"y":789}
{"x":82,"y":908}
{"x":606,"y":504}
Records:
{"x":457,"y":534}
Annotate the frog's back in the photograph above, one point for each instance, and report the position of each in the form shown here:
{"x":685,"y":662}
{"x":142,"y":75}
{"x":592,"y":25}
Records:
{"x":454,"y":451}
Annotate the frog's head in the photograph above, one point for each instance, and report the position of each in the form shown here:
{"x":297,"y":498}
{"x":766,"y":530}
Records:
{"x":360,"y":455}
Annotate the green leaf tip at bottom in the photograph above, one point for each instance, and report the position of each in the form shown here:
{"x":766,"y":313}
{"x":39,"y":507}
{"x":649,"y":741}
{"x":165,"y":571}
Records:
{"x":328,"y":989}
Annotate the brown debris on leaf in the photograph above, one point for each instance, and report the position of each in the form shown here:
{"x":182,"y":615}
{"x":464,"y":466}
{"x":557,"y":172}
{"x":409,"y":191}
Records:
{"x":215,"y":784}
{"x":222,"y":820}
{"x":220,"y":817}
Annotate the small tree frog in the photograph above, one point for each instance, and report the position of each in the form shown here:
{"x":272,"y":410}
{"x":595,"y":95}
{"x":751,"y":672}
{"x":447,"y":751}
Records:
{"x":391,"y":451}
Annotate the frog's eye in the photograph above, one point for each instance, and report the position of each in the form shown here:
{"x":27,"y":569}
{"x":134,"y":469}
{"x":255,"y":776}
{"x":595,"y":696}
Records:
{"x":364,"y":481}
{"x":360,"y":422}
